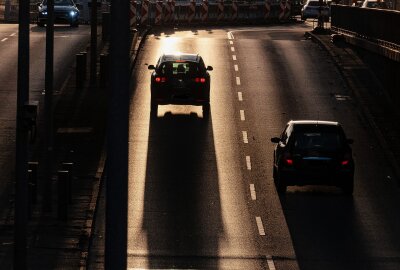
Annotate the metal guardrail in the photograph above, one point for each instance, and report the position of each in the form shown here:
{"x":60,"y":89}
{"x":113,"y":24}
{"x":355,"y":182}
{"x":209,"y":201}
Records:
{"x":375,"y":25}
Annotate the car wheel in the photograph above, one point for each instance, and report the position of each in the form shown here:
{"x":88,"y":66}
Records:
{"x":154,"y":108}
{"x":206,"y":110}
{"x":280,"y":183}
{"x":348,"y":188}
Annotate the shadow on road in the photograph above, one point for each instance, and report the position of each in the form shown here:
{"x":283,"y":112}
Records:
{"x":182,"y":208}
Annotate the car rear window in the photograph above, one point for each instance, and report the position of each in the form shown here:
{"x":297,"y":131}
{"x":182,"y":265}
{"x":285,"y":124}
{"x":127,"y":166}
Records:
{"x":318,"y":137}
{"x":317,"y":140}
{"x":316,"y":3}
{"x":185,"y":68}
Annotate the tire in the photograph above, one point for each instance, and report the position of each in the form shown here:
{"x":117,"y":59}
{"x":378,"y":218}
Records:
{"x":280,"y":184}
{"x":348,"y":188}
{"x":153,"y":109}
{"x":206,"y":110}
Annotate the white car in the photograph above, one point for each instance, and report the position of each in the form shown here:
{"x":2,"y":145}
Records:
{"x":374,"y":4}
{"x":313,"y":8}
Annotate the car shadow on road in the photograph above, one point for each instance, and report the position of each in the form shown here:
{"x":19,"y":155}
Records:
{"x":182,"y":209}
{"x":325,"y":229}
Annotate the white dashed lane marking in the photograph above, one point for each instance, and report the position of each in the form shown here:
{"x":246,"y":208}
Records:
{"x":238,"y":80}
{"x":248,"y":163}
{"x":245,"y":140}
{"x":260,"y":226}
{"x":240,"y":96}
{"x":234,"y":57}
{"x":270,"y":262}
{"x":232,"y":49}
{"x":231,"y":42}
{"x":242,"y":117}
{"x":4,"y":39}
{"x":13,"y":34}
{"x":253,"y":192}
{"x":236,"y":67}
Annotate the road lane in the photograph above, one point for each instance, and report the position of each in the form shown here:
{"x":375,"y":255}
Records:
{"x":189,"y":201}
{"x":292,"y":78}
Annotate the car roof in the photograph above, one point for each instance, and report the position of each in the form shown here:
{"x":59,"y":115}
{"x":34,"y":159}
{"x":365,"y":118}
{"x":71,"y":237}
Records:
{"x":314,"y":122}
{"x":178,"y":56}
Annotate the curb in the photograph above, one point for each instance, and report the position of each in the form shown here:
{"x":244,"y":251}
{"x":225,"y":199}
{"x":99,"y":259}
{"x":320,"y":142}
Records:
{"x":363,"y":110}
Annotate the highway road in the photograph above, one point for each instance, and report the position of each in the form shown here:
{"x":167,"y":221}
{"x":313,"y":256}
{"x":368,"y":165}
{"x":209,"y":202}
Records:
{"x":201,"y":194}
{"x":67,"y":42}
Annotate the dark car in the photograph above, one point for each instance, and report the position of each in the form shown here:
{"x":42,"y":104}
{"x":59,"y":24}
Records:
{"x":65,"y":11}
{"x":311,"y":152}
{"x":180,"y":78}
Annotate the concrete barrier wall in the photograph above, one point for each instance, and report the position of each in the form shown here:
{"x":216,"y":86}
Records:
{"x":369,"y":23}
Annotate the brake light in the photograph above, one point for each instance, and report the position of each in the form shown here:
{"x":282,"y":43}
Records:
{"x":346,"y":159}
{"x":160,"y":79}
{"x":200,"y":80}
{"x":287,"y":159}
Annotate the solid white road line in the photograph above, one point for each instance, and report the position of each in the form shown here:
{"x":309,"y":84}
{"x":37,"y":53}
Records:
{"x":245,"y":140}
{"x":242,"y":117}
{"x":234,"y":57}
{"x":240,"y":96}
{"x":238,"y":80}
{"x":248,"y":163}
{"x":253,"y":192}
{"x":236,"y":67}
{"x":232,"y":49}
{"x":260,"y":226}
{"x":4,"y":39}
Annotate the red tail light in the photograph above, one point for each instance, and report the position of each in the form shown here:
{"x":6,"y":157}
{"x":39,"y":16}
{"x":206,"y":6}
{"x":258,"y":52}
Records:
{"x":346,"y":159}
{"x":287,"y":159}
{"x":160,"y":79}
{"x":200,"y":80}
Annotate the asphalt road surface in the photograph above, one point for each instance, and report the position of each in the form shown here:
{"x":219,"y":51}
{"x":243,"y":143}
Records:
{"x":201,"y":194}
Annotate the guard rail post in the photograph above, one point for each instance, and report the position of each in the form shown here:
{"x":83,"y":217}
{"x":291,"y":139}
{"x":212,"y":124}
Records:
{"x":69,"y":166}
{"x":62,"y":204}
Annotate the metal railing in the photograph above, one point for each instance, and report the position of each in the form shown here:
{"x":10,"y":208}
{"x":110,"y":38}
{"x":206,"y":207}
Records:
{"x":376,"y":25}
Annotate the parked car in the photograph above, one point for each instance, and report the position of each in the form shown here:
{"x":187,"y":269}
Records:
{"x":315,"y":8}
{"x":180,"y":78}
{"x":313,"y":152}
{"x":374,"y":4}
{"x":65,"y":11}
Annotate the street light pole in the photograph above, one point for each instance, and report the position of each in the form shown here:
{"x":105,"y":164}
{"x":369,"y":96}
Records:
{"x":21,"y":165}
{"x":48,"y":105}
{"x":117,"y":139}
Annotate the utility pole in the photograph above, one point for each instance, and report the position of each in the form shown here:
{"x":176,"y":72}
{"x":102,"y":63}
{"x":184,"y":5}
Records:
{"x":117,"y":139}
{"x":48,"y":105}
{"x":21,"y":165}
{"x":93,"y":42}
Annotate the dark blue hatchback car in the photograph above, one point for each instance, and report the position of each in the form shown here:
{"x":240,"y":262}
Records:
{"x":65,"y":11}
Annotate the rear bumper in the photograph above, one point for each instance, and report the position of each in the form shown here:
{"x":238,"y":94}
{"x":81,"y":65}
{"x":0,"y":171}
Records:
{"x":180,"y":97}
{"x":329,"y":178}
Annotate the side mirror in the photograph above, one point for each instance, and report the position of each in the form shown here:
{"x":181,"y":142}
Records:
{"x":350,"y":141}
{"x":275,"y":140}
{"x":209,"y":68}
{"x":151,"y":67}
